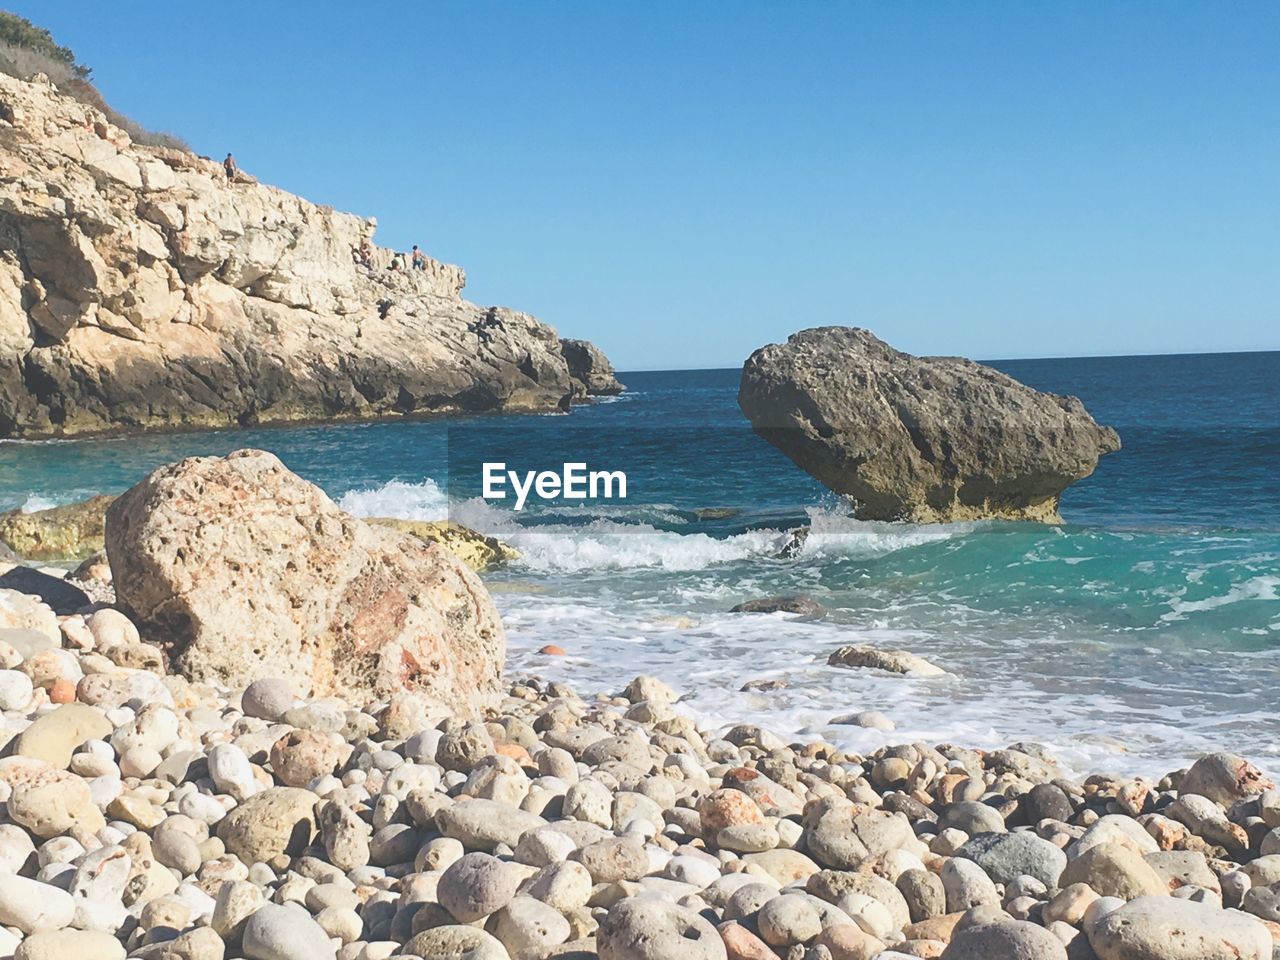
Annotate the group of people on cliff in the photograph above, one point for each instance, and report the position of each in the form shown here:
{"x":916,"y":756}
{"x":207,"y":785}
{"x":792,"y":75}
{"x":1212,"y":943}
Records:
{"x":400,"y":262}
{"x":416,"y":260}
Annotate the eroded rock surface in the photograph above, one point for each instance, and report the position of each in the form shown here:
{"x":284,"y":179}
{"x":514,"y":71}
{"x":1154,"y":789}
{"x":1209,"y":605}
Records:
{"x":243,"y":570}
{"x":918,"y":438}
{"x":138,"y":289}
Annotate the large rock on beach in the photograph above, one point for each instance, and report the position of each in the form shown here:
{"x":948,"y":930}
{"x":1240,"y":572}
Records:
{"x":918,"y":438}
{"x":244,"y":571}
{"x":138,"y":288}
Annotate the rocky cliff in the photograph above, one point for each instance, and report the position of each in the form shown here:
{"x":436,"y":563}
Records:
{"x":918,"y":438}
{"x":139,"y":289}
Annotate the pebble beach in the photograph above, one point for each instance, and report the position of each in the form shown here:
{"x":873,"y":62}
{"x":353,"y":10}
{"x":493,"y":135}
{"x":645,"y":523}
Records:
{"x":148,"y":816}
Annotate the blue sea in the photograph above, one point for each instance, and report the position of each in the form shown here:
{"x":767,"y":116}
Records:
{"x":1141,"y":633}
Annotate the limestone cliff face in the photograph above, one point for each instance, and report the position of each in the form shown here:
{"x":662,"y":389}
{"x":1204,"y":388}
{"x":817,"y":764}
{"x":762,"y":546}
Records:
{"x":138,"y":289}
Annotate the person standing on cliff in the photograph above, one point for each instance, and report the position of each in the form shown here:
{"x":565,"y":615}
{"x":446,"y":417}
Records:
{"x":419,"y":261}
{"x":229,"y":165}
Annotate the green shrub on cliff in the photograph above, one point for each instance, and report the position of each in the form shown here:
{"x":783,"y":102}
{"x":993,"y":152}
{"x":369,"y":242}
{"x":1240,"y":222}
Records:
{"x":26,"y":50}
{"x":19,"y":34}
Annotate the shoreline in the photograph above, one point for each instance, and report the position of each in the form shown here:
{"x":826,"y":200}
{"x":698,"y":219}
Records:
{"x":336,"y":420}
{"x":810,"y":700}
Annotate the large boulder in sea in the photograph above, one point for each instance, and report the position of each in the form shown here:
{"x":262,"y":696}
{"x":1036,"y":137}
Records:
{"x":242,"y":570}
{"x":918,"y":438}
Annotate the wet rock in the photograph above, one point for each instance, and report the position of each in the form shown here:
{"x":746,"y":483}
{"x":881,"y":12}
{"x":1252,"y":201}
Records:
{"x":477,"y":551}
{"x":68,"y":532}
{"x":894,"y":661}
{"x":869,"y":719}
{"x":799,"y":604}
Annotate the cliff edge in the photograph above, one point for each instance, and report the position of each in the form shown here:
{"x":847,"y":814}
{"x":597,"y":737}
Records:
{"x":140,"y":289}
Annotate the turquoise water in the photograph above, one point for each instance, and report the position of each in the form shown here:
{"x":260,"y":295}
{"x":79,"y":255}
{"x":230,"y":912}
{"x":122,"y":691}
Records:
{"x":1144,"y":630}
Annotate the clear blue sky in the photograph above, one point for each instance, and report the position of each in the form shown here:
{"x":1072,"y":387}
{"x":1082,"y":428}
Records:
{"x":683,"y":182}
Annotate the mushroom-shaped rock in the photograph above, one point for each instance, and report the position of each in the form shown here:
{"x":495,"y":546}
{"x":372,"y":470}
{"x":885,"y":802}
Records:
{"x":918,"y":438}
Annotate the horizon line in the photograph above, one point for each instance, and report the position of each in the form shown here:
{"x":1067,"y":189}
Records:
{"x":1072,"y":356}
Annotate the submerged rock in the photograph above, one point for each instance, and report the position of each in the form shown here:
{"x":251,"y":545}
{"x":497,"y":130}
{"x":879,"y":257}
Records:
{"x":918,"y":438}
{"x":804,"y":606}
{"x":716,"y":513}
{"x":245,"y":571}
{"x":895,"y":661}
